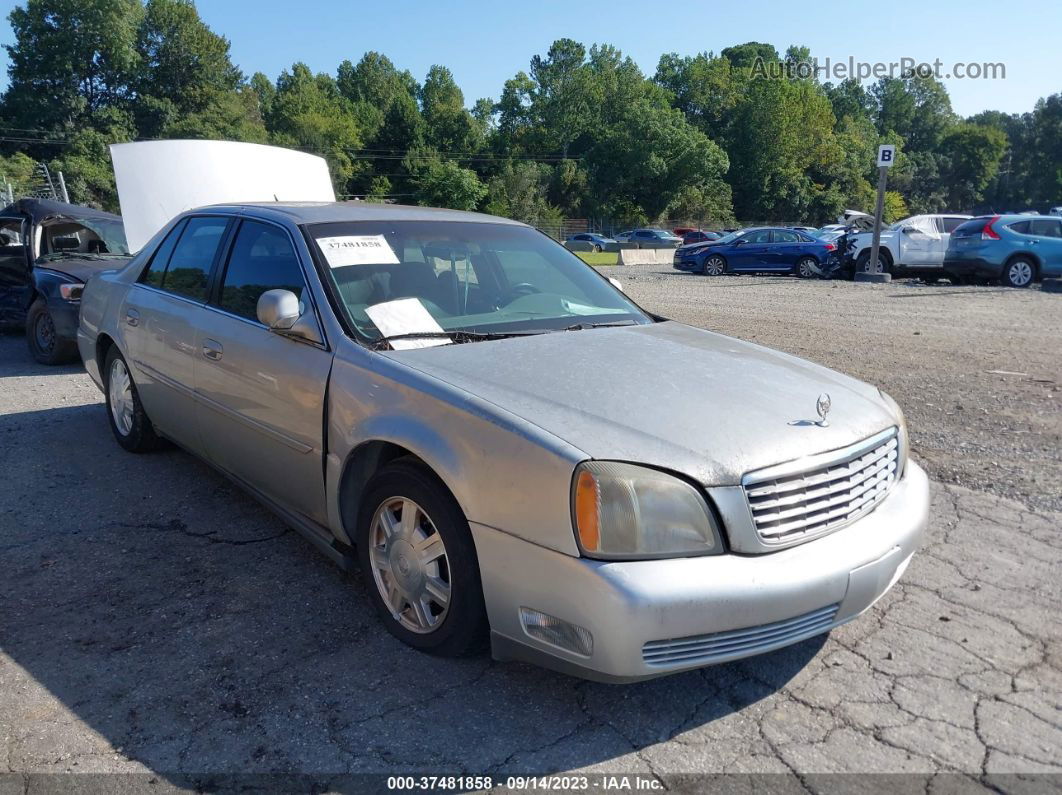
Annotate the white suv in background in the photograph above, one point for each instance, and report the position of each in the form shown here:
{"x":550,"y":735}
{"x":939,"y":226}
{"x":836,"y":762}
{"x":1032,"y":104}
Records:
{"x":915,"y":244}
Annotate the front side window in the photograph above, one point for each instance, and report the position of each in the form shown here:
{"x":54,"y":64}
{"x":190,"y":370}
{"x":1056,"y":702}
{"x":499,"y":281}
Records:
{"x":474,"y":277}
{"x":262,"y":259}
{"x":761,"y":236}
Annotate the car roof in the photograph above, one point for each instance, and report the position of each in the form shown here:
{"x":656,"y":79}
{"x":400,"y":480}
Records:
{"x":330,"y":212}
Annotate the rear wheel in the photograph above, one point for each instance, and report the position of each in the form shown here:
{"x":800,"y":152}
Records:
{"x":806,"y":268}
{"x":129,"y":422}
{"x":419,"y":561}
{"x":1019,"y":272}
{"x":42,"y":338}
{"x":714,"y":266}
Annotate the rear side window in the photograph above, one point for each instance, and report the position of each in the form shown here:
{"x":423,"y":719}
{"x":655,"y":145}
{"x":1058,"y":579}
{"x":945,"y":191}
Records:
{"x":786,"y":237}
{"x":1043,"y":227}
{"x":182,"y":263}
{"x":262,"y":259}
{"x":1021,"y":227}
{"x":156,"y":269}
{"x":951,"y":224}
{"x":971,"y":228}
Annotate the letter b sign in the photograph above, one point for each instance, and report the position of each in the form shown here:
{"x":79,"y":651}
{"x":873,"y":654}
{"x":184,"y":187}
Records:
{"x":886,"y":155}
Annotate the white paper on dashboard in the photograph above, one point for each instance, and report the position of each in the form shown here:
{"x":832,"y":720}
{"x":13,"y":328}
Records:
{"x":406,"y":316}
{"x":357,"y":250}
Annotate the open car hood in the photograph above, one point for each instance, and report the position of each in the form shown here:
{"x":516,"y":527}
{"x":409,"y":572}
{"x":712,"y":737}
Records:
{"x":158,"y":180}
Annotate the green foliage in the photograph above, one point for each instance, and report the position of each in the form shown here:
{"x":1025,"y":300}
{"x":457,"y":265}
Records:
{"x":581,"y":133}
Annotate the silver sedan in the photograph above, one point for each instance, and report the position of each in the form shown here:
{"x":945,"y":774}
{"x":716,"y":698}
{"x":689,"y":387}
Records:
{"x":506,"y":444}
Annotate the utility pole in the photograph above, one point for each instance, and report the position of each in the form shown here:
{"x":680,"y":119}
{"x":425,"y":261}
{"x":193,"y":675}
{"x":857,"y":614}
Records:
{"x":886,"y":157}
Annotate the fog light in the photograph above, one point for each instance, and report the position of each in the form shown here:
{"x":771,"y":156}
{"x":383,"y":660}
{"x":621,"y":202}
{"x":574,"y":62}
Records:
{"x":557,"y":632}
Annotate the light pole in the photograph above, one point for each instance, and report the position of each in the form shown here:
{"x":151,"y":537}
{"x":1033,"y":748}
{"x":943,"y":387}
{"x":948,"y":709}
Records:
{"x":886,"y":157}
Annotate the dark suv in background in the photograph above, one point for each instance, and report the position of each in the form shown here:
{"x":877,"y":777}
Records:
{"x":1015,"y":249}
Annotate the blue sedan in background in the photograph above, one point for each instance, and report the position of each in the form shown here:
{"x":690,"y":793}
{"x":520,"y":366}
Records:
{"x":760,"y":249}
{"x":1015,"y":249}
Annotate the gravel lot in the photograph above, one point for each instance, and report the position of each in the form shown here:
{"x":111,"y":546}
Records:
{"x":155,"y":621}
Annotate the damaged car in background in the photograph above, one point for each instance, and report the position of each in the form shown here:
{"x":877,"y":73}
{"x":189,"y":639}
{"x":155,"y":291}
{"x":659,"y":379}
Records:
{"x":48,"y":250}
{"x":472,"y":414}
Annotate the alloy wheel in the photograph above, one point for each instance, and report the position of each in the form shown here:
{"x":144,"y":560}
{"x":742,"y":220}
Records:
{"x":409,"y":565}
{"x":806,"y":268}
{"x":714,"y":266}
{"x":120,"y":397}
{"x":1019,"y":273}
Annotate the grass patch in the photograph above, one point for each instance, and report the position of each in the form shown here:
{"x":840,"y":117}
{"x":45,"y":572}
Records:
{"x":598,"y":257}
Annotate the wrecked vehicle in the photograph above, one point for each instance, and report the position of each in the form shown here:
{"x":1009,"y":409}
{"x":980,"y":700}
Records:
{"x":470,"y":413}
{"x":48,"y":250}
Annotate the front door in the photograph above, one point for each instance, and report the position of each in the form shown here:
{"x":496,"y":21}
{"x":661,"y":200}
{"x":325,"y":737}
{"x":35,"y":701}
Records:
{"x":160,"y":320}
{"x":14,"y":270}
{"x":753,"y":253}
{"x":920,"y":242}
{"x":260,"y":394}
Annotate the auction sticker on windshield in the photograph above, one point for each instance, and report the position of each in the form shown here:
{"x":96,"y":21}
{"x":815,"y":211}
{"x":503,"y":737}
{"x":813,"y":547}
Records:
{"x":357,"y":250}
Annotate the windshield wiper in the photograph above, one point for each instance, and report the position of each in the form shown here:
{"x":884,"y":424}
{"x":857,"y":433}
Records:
{"x":582,"y":326}
{"x":453,"y":336}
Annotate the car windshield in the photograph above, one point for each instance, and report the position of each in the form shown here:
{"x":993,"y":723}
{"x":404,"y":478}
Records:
{"x":481,"y":278}
{"x":730,"y":238}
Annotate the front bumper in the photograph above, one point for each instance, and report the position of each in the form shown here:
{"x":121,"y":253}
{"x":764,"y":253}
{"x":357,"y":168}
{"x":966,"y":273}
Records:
{"x":687,"y":265}
{"x":650,"y":618}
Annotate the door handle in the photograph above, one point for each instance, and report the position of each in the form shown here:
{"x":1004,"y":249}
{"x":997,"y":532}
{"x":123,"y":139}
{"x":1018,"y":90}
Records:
{"x":212,"y":349}
{"x":132,"y":317}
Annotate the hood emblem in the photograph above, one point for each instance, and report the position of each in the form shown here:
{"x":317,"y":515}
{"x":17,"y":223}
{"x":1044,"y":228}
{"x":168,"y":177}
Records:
{"x":822,"y":406}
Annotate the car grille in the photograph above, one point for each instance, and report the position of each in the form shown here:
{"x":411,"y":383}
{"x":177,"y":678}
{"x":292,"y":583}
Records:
{"x":789,"y":505}
{"x":735,"y":643}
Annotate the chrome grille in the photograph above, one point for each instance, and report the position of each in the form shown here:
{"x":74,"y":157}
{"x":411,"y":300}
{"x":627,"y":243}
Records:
{"x":834,"y":490}
{"x":736,"y":643}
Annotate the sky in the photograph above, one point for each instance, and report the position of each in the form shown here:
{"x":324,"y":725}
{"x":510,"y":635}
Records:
{"x":485,"y":43}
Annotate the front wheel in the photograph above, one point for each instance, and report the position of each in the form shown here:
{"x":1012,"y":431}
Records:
{"x":714,"y":266}
{"x":44,"y":342}
{"x":864,"y":257}
{"x":1019,"y":273}
{"x":807,"y":268}
{"x":419,"y":561}
{"x":129,"y":422}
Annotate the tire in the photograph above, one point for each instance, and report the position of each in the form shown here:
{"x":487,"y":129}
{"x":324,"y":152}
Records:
{"x":44,"y":344}
{"x":1019,"y":272}
{"x":129,"y":422}
{"x":394,"y":562}
{"x":715,"y":265}
{"x":805,"y":268}
{"x":864,"y":257}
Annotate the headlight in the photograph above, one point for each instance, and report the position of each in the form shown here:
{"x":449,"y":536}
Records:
{"x":71,"y":292}
{"x":904,"y":437}
{"x":624,"y":512}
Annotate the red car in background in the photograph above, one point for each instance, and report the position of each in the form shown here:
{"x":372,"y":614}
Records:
{"x":698,"y":236}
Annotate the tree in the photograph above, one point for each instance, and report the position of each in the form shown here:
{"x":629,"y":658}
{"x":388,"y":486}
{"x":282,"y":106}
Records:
{"x":449,"y":127}
{"x":308,"y":112}
{"x":519,"y":191}
{"x":974,"y":153}
{"x":443,"y":183}
{"x":70,"y":59}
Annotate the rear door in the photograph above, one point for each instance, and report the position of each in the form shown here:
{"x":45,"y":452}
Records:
{"x":261,"y":394}
{"x":160,"y":318}
{"x":1048,"y":244}
{"x":785,"y":249}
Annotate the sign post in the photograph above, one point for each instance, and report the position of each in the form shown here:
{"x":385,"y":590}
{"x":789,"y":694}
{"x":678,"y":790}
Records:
{"x":886,"y":157}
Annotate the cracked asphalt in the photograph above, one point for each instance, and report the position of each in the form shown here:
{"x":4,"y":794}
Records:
{"x":155,"y":620}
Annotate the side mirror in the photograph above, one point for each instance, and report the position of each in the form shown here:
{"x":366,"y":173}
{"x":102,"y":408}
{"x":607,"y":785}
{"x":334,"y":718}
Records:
{"x":911,"y":230}
{"x":616,"y":283}
{"x":278,"y":309}
{"x":740,"y":242}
